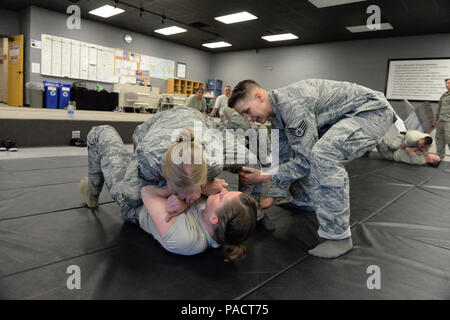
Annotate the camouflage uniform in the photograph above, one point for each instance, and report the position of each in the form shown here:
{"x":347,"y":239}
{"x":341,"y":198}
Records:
{"x":152,"y":139}
{"x":110,"y":162}
{"x":443,"y":125}
{"x":387,"y":147}
{"x":325,"y":124}
{"x":126,"y":173}
{"x":235,"y":120}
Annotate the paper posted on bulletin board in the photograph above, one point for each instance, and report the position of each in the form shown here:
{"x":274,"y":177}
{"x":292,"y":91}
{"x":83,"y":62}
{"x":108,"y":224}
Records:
{"x":131,"y":67}
{"x":68,"y":58}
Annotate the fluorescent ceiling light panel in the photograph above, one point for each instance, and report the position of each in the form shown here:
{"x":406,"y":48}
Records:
{"x":106,"y":11}
{"x":280,"y":37}
{"x":236,"y":17}
{"x":364,"y":28}
{"x":331,"y":3}
{"x":170,"y":30}
{"x":219,"y":44}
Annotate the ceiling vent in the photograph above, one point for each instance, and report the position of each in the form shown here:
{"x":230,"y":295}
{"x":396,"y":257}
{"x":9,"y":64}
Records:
{"x":200,"y":25}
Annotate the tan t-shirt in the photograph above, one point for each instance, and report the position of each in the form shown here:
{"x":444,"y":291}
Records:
{"x":187,"y":236}
{"x":221,"y":103}
{"x":194,"y":102}
{"x":401,"y":155}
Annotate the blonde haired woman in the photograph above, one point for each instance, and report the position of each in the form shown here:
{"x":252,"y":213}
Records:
{"x":154,"y":141}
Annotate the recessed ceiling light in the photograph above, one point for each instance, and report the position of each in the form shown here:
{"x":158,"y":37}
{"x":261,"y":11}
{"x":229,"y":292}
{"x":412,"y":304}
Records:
{"x":106,"y":11}
{"x":170,"y":30}
{"x":331,"y":3}
{"x":364,"y":28}
{"x":280,"y":37}
{"x":219,"y":44}
{"x":236,"y":17}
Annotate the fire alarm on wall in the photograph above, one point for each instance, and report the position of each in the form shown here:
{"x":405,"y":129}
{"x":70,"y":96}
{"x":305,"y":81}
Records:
{"x":271,"y":68}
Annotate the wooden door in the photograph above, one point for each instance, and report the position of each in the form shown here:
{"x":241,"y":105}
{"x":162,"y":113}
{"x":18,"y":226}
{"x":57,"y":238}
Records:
{"x":15,"y":71}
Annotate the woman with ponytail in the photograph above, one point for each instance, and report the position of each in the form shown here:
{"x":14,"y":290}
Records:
{"x":224,"y":219}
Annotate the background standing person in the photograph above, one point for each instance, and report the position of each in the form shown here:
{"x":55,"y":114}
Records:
{"x":442,"y":122}
{"x":221,"y":102}
{"x":197,"y":101}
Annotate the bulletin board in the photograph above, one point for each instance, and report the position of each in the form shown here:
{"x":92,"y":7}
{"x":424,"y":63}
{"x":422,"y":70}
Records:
{"x":417,"y":79}
{"x":67,"y":58}
{"x":131,"y":67}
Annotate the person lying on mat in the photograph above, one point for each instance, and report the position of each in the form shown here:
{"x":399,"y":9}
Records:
{"x":223,"y":220}
{"x":410,"y":147}
{"x":226,"y":218}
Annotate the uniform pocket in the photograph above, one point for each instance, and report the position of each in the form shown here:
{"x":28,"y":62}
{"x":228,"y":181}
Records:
{"x":332,"y":194}
{"x":332,"y":181}
{"x":357,"y":144}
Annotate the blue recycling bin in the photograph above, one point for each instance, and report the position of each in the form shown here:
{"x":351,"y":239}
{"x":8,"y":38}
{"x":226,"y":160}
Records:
{"x":64,"y":94}
{"x":51,"y":89}
{"x":214,"y":84}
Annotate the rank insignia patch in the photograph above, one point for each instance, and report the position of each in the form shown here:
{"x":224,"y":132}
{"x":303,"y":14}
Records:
{"x":300,"y":131}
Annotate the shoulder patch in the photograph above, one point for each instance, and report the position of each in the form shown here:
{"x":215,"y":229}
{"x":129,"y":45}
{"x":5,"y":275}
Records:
{"x":300,"y":131}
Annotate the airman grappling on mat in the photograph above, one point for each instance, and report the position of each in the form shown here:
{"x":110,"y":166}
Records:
{"x":322,"y":126}
{"x":410,"y":147}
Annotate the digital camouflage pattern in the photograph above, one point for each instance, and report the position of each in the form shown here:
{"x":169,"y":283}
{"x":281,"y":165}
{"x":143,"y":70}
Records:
{"x":443,"y":125}
{"x":323,"y":125}
{"x":109,"y":162}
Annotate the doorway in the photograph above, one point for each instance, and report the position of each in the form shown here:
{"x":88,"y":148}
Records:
{"x":15,"y":71}
{"x":4,"y":70}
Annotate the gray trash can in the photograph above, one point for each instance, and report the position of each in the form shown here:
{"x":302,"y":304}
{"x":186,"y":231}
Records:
{"x":35,"y":93}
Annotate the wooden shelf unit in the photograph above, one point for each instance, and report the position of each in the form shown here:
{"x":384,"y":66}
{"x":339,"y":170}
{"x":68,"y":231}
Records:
{"x":176,"y":85}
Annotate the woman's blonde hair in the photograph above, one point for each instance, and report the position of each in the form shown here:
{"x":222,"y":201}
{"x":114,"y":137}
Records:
{"x":237,"y":220}
{"x":189,"y":167}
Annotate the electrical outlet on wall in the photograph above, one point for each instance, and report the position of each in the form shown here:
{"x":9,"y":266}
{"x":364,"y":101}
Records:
{"x":75,"y":134}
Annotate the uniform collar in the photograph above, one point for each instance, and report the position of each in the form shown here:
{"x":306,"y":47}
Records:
{"x":277,"y":119}
{"x":273,"y":99}
{"x":212,"y":243}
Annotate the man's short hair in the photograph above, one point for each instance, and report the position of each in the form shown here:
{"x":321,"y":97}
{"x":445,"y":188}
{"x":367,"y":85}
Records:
{"x":241,"y":91}
{"x":428,"y":140}
{"x":199,"y":89}
{"x":227,"y":86}
{"x":447,"y":79}
{"x":436,"y":161}
{"x":434,"y":164}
